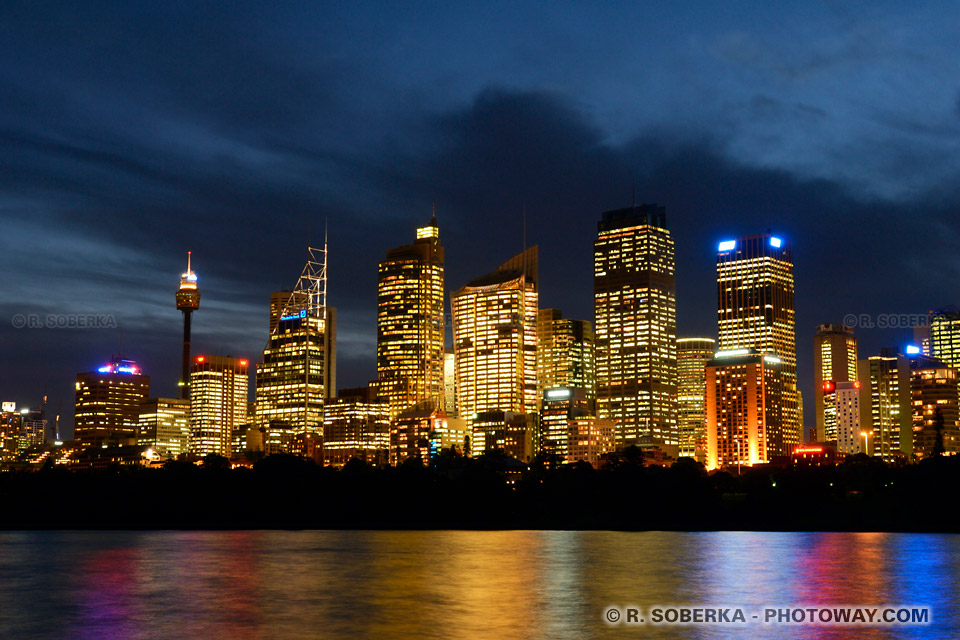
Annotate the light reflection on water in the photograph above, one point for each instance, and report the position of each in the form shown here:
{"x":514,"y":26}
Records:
{"x":456,"y":584}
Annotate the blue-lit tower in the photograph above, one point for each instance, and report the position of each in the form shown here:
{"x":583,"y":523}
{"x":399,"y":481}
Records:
{"x":188,"y":301}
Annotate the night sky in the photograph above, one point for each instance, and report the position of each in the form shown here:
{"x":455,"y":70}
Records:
{"x":133,"y":131}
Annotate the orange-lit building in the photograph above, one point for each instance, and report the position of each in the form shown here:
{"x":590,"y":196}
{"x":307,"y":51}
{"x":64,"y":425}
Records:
{"x":743,"y":409}
{"x":755,"y":310}
{"x":934,"y":394}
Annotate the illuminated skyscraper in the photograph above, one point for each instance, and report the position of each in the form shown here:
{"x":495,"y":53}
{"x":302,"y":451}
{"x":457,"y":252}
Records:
{"x":298,"y":368}
{"x":635,"y":308}
{"x":945,"y":336}
{"x":218,"y":403}
{"x":565,"y":353}
{"x":356,"y":424}
{"x":845,"y":398}
{"x":495,"y":339}
{"x":755,"y":311}
{"x":164,"y":424}
{"x":834,"y":361}
{"x":188,"y":301}
{"x":885,"y":411}
{"x":743,"y":409}
{"x":693,"y":354}
{"x":934,"y":398}
{"x":108,"y":401}
{"x":10,"y":421}
{"x":410,"y":323}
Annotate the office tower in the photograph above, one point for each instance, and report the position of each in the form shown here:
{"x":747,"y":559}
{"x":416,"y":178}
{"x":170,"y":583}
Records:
{"x":944,"y":331}
{"x":934,"y":398}
{"x":449,"y":384}
{"x":635,"y":309}
{"x":588,"y":439}
{"x":188,"y":301}
{"x":693,"y":354}
{"x":356,"y":424}
{"x":218,"y":403}
{"x":297,"y":370}
{"x":495,"y":339}
{"x":565,"y":353}
{"x":844,"y":397}
{"x":10,"y":420}
{"x":108,"y":400}
{"x":744,"y":408}
{"x":560,"y":406}
{"x":834,"y":361}
{"x":164,"y":425}
{"x":885,"y":405}
{"x":755,"y":311}
{"x":410,"y":323}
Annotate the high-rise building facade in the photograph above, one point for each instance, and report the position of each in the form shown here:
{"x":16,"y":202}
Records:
{"x":834,"y":361}
{"x":934,"y":399}
{"x":495,"y":339}
{"x":107,"y":408}
{"x":565,"y":353}
{"x":218,"y":403}
{"x":164,"y":425}
{"x":635,"y":324}
{"x":755,"y":311}
{"x":410,"y":323}
{"x":885,"y":409}
{"x":944,"y":333}
{"x":297,"y":370}
{"x":693,"y":354}
{"x":744,"y":409}
{"x":10,"y":420}
{"x":845,"y":399}
{"x":356,"y":424}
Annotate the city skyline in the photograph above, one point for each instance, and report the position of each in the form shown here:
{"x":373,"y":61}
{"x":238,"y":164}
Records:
{"x":801,"y":126}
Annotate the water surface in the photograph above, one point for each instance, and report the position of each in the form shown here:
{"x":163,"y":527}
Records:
{"x":456,"y":584}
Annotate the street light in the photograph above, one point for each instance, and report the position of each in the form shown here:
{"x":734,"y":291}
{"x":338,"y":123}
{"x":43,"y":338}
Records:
{"x":866,"y":441}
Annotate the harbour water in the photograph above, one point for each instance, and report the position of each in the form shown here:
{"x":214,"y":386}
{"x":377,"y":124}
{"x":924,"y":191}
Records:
{"x":459,"y":584}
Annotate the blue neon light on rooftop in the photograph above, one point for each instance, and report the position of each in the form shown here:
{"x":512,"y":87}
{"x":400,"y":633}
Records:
{"x":776,"y":242}
{"x":295,"y":316}
{"x":727,"y":245}
{"x":913,"y":350}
